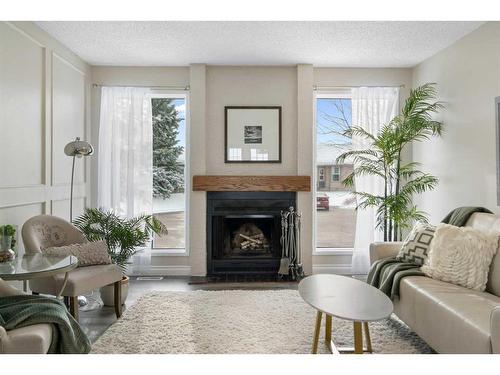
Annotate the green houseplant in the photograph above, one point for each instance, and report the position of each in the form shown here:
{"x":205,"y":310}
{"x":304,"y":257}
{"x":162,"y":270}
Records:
{"x":7,"y":242}
{"x":383,"y":159}
{"x":122,"y":236}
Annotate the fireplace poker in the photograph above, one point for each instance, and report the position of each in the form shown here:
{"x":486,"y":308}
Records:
{"x":285,"y":261}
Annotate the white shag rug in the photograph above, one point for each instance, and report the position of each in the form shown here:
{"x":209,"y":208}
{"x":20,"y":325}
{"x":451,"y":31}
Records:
{"x":237,"y":321}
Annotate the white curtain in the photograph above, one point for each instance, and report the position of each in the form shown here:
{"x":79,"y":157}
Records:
{"x":372,"y":107}
{"x":125,"y":166}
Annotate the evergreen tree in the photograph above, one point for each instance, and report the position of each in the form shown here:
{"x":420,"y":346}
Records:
{"x":168,"y":173}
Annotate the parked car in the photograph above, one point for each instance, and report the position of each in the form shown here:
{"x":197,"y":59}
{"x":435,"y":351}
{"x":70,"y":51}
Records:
{"x":322,"y":201}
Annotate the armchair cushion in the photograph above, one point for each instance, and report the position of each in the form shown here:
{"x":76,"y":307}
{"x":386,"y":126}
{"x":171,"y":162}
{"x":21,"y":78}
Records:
{"x":80,"y":280}
{"x":88,"y":254}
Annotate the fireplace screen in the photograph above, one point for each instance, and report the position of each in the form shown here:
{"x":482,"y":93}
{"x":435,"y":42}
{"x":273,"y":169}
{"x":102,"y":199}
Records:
{"x":249,"y":235}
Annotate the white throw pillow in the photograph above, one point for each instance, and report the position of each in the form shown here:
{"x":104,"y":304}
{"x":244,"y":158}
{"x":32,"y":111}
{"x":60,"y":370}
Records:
{"x":461,"y":255}
{"x":88,"y":254}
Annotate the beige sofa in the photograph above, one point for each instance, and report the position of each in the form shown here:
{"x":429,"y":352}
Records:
{"x":450,"y":318}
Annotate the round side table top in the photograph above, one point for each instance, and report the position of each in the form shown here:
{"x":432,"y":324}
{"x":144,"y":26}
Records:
{"x":29,"y":267}
{"x":345,"y":298}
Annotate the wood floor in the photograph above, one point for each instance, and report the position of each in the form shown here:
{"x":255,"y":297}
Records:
{"x":95,"y":322}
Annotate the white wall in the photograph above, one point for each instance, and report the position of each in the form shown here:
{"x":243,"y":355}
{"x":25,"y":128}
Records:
{"x":43,"y":101}
{"x":251,"y":86}
{"x":468,"y":78}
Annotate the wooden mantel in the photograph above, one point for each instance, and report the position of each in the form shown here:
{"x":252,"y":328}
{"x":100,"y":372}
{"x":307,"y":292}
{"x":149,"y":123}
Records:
{"x":251,"y":183}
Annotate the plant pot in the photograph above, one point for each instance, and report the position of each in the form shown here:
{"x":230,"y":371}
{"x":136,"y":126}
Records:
{"x":5,"y":243}
{"x":108,"y":292}
{"x":6,"y":253}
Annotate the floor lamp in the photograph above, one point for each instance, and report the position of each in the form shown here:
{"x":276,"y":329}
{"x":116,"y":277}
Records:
{"x":75,"y":149}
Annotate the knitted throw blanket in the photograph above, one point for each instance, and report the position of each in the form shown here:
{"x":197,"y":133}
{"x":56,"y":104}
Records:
{"x":386,"y":274}
{"x":25,"y":310}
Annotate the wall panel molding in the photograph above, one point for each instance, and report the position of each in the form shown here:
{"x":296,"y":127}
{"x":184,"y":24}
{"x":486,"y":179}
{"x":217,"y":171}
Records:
{"x":28,"y":69}
{"x":22,"y":82}
{"x":69,"y":90}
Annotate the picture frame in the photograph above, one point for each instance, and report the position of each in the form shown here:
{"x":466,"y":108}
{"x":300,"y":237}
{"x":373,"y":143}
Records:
{"x":252,"y":134}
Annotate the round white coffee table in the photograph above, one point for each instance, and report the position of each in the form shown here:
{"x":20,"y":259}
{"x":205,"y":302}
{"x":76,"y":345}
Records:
{"x":345,"y":298}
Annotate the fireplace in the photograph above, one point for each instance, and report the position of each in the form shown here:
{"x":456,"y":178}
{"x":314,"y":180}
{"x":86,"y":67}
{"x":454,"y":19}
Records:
{"x":244,"y":230}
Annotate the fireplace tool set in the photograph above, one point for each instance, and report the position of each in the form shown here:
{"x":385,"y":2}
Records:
{"x":290,"y":264}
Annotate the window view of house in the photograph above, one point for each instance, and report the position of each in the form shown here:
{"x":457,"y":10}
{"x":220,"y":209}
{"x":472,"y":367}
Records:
{"x":169,"y":146}
{"x":335,"y":203}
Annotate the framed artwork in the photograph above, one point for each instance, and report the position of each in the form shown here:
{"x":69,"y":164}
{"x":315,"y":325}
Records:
{"x":252,"y":134}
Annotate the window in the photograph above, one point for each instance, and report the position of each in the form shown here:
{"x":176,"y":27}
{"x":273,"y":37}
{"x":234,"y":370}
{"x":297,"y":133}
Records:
{"x":335,"y":203}
{"x":335,"y":173}
{"x":169,"y":169}
{"x":321,"y":174}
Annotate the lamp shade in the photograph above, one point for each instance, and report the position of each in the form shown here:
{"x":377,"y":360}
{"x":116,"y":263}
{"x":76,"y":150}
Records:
{"x":78,"y":148}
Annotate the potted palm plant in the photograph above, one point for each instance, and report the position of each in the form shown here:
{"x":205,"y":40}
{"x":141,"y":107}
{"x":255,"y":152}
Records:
{"x":122,"y":236}
{"x":383,"y":159}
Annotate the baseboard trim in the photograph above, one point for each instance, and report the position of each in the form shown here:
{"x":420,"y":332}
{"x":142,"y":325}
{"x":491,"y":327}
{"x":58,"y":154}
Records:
{"x":163,"y":271}
{"x":338,"y":269}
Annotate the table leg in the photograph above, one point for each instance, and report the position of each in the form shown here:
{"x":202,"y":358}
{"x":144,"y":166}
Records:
{"x":317,"y":329}
{"x":63,"y":285}
{"x":367,"y":338}
{"x":328,"y":329}
{"x":25,"y":286}
{"x":358,"y":338}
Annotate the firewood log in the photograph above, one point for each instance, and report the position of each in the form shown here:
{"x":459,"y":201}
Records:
{"x":251,"y":239}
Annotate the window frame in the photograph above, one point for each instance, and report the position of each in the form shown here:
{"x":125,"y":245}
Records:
{"x":341,"y":93}
{"x":161,"y":251}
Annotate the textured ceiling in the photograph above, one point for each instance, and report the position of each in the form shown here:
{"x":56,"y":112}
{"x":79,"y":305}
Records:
{"x":335,"y":44}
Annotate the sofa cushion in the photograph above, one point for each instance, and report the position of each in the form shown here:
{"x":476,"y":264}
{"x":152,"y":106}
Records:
{"x":416,"y":247}
{"x":461,"y":255}
{"x":488,"y":222}
{"x":80,"y":280}
{"x":493,"y":285}
{"x":450,"y":318}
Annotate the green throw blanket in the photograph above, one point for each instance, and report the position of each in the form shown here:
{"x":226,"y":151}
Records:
{"x":386,"y":274}
{"x":25,"y":310}
{"x":459,"y":216}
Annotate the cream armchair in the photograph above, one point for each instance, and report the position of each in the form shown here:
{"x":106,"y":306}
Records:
{"x":35,"y":339}
{"x":43,"y":231}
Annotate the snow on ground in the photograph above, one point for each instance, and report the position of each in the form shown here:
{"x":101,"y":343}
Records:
{"x":175,"y":203}
{"x":343,"y":199}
